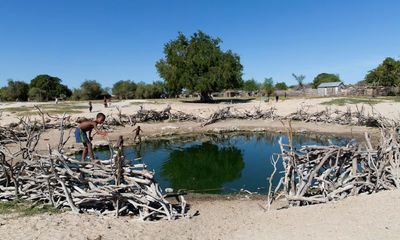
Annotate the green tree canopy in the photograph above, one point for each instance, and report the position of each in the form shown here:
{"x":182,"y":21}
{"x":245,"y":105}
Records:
{"x":199,"y":65}
{"x":154,"y":90}
{"x":124,"y":89}
{"x":91,"y":89}
{"x":268,"y":86}
{"x":15,"y":90}
{"x":37,"y":94}
{"x":51,"y":86}
{"x":251,"y":85}
{"x":386,"y":74}
{"x":281,"y":86}
{"x":324,"y":78}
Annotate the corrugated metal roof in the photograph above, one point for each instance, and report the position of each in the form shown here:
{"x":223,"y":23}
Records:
{"x":330,"y":84}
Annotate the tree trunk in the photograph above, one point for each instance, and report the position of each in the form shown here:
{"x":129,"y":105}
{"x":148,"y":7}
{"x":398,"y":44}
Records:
{"x":205,"y":97}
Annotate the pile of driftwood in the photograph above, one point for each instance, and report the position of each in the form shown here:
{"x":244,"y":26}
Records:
{"x":228,"y":113}
{"x":348,"y":117}
{"x":103,"y":187}
{"x":318,"y":174}
{"x":143,"y":115}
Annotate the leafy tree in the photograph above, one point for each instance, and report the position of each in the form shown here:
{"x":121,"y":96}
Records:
{"x":268,"y":86}
{"x":77,"y":94}
{"x":91,"y":89}
{"x":124,"y":89}
{"x":62,"y":91}
{"x":324,"y":78}
{"x":3,"y":94}
{"x":154,"y":90}
{"x":198,"y":64}
{"x":299,"y":79}
{"x":51,"y":86}
{"x":386,"y":74}
{"x":37,"y":94}
{"x":281,"y":86}
{"x":15,"y":90}
{"x":250,"y":85}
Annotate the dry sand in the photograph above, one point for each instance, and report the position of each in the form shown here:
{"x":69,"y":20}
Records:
{"x":372,"y":217}
{"x":365,"y":217}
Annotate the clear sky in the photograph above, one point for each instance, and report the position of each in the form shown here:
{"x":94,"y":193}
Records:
{"x":122,"y":39}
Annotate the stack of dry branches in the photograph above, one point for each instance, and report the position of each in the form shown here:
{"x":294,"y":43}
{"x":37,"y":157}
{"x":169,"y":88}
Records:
{"x":107,"y":187}
{"x":228,"y":113}
{"x":318,"y":174}
{"x":143,"y":115}
{"x":348,"y":117}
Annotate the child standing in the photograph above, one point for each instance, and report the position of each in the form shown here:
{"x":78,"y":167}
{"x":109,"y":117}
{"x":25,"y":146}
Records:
{"x":82,"y":137}
{"x":137,"y":134}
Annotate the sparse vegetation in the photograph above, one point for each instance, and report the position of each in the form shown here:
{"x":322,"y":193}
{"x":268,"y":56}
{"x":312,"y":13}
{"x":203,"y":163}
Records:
{"x":22,"y":208}
{"x":50,"y":108}
{"x":344,"y":101}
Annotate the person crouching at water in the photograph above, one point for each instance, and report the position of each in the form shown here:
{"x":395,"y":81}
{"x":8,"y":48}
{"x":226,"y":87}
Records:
{"x":82,"y":137}
{"x":137,"y":134}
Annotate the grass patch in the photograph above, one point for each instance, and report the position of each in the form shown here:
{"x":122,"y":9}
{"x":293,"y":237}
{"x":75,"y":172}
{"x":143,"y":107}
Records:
{"x":49,"y":108}
{"x":344,"y":101}
{"x":22,"y":208}
{"x":18,"y":109}
{"x":391,"y":98}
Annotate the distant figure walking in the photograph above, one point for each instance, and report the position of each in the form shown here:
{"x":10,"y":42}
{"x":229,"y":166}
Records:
{"x":137,"y":131}
{"x":277,"y":98}
{"x":90,"y":106}
{"x":56,"y":101}
{"x":109,"y":102}
{"x":285,"y":96}
{"x":105,"y":102}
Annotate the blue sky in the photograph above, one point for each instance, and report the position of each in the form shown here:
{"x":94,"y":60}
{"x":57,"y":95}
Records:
{"x":121,"y":39}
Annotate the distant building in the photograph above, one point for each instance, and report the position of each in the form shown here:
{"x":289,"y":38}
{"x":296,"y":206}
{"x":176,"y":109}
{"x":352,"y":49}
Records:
{"x":231,"y":93}
{"x":330,"y":88}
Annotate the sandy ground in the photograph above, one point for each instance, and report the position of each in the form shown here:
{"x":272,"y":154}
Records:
{"x":364,"y":217}
{"x":387,"y":108}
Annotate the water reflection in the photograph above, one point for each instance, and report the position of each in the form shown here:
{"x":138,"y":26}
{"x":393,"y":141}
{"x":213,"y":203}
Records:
{"x":215,"y":163}
{"x":203,"y":168}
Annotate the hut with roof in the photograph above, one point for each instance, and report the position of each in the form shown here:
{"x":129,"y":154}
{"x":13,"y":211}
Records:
{"x":330,"y":88}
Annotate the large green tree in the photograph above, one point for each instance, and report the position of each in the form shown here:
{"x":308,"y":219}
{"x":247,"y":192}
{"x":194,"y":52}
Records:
{"x":281,"y":86}
{"x":199,"y":65}
{"x":91,"y":89}
{"x":268,"y":86}
{"x":324,"y":78}
{"x":15,"y":90}
{"x":154,"y":90}
{"x":386,"y":74}
{"x":124,"y":89}
{"x":251,"y":85}
{"x":49,"y":88}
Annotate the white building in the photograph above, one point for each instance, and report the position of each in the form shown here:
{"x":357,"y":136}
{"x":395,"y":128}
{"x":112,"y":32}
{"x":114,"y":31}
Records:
{"x":330,"y":88}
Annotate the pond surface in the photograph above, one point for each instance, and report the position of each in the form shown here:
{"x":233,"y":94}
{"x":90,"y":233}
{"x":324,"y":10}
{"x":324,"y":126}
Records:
{"x":220,"y":164}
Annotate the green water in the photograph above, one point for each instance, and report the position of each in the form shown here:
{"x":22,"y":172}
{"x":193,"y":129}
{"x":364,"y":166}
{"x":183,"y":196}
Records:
{"x":214,"y":163}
